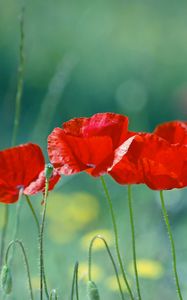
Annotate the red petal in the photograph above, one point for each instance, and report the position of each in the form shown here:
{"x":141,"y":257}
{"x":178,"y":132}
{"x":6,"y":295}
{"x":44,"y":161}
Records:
{"x":8,"y":195}
{"x":71,"y":154}
{"x":20,"y":165}
{"x":101,"y":124}
{"x":174,"y":132}
{"x":127,"y":170}
{"x":39,"y":184}
{"x":153,"y":161}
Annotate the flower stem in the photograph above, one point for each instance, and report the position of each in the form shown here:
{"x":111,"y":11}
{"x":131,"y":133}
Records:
{"x":42,"y":272}
{"x":75,"y":282}
{"x":17,"y":221}
{"x":16,"y":122}
{"x":166,"y":219}
{"x":33,"y":212}
{"x":111,"y":258}
{"x":116,"y":236}
{"x":12,"y":243}
{"x":38,"y":227}
{"x":133,"y":240}
{"x":4,"y":230}
{"x":20,"y":79}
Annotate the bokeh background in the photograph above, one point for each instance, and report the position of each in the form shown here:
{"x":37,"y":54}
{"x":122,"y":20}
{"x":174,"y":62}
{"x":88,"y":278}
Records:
{"x":83,"y":57}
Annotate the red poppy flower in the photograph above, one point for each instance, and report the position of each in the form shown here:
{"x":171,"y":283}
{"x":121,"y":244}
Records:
{"x":174,"y":132}
{"x":89,"y":144}
{"x":153,"y":161}
{"x":22,"y":167}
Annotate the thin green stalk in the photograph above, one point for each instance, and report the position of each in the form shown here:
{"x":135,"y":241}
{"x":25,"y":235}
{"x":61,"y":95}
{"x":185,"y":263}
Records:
{"x":166,"y":219}
{"x":42,"y":271}
{"x":116,"y":236}
{"x":38,"y":227}
{"x":20,"y":79}
{"x":75,"y":282}
{"x":4,"y":230}
{"x":12,"y":243}
{"x":33,"y":212}
{"x":111,"y":258}
{"x":16,"y":121}
{"x":133,"y":240}
{"x":16,"y":225}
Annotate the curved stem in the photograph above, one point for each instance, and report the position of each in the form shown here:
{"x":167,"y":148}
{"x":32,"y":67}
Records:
{"x":53,"y":293}
{"x":12,"y":243}
{"x":116,"y":236}
{"x":111,"y":258}
{"x":172,"y":244}
{"x":41,"y":244}
{"x":133,"y":240}
{"x":33,"y":212}
{"x":75,"y":282}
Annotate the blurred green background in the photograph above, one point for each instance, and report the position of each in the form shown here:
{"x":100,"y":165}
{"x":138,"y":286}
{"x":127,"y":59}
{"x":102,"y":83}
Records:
{"x":83,"y":57}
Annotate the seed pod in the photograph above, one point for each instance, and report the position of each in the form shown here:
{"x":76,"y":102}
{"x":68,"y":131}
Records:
{"x":6,"y":279}
{"x":48,"y":171}
{"x":93,"y":292}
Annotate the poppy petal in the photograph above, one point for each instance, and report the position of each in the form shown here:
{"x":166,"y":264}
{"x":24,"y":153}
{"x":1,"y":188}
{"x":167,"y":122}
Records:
{"x":21,"y":164}
{"x":7,"y":194}
{"x":71,"y":154}
{"x":174,"y":132}
{"x":100,"y":124}
{"x":39,"y":184}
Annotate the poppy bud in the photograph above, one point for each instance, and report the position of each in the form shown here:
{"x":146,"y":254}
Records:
{"x":93,"y":292}
{"x":48,"y":171}
{"x":6,"y":279}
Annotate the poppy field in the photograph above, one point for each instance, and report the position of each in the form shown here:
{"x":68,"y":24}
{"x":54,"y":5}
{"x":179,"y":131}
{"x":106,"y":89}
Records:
{"x":93,"y":154}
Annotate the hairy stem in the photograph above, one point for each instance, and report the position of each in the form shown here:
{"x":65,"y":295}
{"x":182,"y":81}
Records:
{"x":116,"y":236}
{"x":38,"y":227}
{"x":42,"y":272}
{"x":166,"y":219}
{"x":133,"y":240}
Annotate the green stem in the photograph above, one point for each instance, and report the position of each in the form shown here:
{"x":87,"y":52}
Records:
{"x":38,"y":227}
{"x":111,"y":258}
{"x":4,"y":231}
{"x":42,"y":271}
{"x":133,"y":240}
{"x":16,"y":225}
{"x":16,"y":121}
{"x":116,"y":236}
{"x":164,"y":211}
{"x":75,"y":282}
{"x":12,"y":243}
{"x":33,"y":212}
{"x":20,"y":79}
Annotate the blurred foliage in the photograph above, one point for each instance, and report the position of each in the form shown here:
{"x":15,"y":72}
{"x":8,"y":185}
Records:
{"x":84,"y":57}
